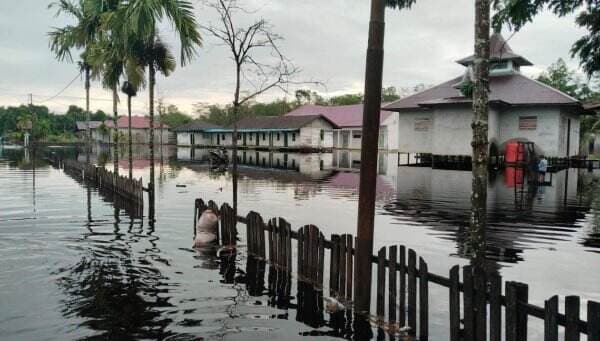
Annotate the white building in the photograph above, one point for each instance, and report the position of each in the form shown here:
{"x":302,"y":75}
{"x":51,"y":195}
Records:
{"x":309,"y":132}
{"x":349,"y":120}
{"x":102,"y":132}
{"x":438,"y":120}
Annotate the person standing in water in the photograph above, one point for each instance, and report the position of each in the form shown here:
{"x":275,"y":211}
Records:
{"x":542,"y":168}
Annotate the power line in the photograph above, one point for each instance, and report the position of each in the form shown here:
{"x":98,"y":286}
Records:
{"x":61,"y":91}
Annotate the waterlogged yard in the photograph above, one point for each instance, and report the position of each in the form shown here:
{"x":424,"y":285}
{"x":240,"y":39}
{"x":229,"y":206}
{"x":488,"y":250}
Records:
{"x":75,"y":265}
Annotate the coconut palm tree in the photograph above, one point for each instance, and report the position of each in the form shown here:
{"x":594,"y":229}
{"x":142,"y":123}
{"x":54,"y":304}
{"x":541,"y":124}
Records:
{"x":136,"y":23}
{"x":80,"y":36}
{"x":130,"y":89}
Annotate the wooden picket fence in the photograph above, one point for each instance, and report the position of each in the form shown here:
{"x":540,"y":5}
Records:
{"x":479,"y":310}
{"x":131,"y":190}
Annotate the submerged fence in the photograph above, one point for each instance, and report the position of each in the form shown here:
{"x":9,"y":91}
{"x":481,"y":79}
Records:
{"x":131,"y":190}
{"x":479,"y":309}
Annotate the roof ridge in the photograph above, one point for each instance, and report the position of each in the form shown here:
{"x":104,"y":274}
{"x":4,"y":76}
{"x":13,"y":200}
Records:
{"x":420,"y":92}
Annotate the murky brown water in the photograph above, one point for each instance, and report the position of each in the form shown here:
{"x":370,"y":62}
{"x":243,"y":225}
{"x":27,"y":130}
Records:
{"x":74,"y":267}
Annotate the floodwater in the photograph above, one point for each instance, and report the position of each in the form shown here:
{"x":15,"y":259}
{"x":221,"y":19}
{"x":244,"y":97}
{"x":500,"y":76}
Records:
{"x":77,"y":266}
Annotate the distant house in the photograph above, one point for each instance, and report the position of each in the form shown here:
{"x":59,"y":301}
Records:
{"x":348,"y":118}
{"x":265,"y":132}
{"x":196,"y":133}
{"x":438,"y":120}
{"x":140,"y":130}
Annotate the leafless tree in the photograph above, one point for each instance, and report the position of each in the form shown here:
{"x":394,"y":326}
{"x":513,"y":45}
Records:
{"x":260,"y":65}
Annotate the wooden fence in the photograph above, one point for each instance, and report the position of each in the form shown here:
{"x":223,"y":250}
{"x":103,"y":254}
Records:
{"x":479,"y":309}
{"x":131,"y":190}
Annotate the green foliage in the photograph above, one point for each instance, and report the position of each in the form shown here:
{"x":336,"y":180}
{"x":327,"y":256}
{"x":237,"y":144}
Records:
{"x":559,"y":76}
{"x":517,"y":13}
{"x":466,"y":89}
{"x":347,"y":99}
{"x":171,"y":116}
{"x":389,"y":94}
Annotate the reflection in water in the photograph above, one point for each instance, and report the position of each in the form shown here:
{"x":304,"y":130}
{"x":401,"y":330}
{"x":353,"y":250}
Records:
{"x":122,"y":278}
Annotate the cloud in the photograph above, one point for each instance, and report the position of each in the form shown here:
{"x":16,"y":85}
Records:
{"x":327,"y":39}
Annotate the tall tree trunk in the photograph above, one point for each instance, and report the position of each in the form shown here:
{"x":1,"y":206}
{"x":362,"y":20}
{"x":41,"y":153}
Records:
{"x":236,"y":110}
{"x":151,"y":83}
{"x":88,"y":138}
{"x":480,"y":132}
{"x":369,"y":149}
{"x":115,"y":134}
{"x":130,"y":151}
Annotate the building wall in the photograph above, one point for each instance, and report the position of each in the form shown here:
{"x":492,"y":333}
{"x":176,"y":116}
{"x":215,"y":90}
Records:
{"x":183,"y":139}
{"x":546,"y":136}
{"x":410,"y":139}
{"x":573,"y":136}
{"x":451,"y":134}
{"x":310,"y":135}
{"x":389,"y":133}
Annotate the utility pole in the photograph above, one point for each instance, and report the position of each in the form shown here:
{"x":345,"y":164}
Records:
{"x":33,"y":119}
{"x":369,"y":149}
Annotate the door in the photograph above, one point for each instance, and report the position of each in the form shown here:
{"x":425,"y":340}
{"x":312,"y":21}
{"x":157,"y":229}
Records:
{"x":257,"y":139}
{"x":218,"y":139}
{"x":244,"y":139}
{"x":285,"y":139}
{"x":192,"y":139}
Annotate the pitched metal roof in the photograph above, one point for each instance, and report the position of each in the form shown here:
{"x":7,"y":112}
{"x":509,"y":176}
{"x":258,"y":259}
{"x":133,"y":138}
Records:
{"x":82,"y":125}
{"x":278,"y":122}
{"x":499,"y":50}
{"x":342,"y":115}
{"x":514,"y":89}
{"x":196,"y":126}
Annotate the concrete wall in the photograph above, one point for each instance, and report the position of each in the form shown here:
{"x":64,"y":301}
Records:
{"x":411,"y":140}
{"x":545,"y":136}
{"x":451,"y":133}
{"x":389,"y":131}
{"x":183,"y":139}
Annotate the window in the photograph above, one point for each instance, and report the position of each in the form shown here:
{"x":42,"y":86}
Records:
{"x":357,"y":134}
{"x":277,"y":136}
{"x":264,"y":136}
{"x":322,"y":134}
{"x":250,"y":137}
{"x":222,"y":136}
{"x":206,"y":136}
{"x":499,"y":66}
{"x":527,"y":122}
{"x":239,"y":136}
{"x":422,"y":124}
{"x":293,"y":136}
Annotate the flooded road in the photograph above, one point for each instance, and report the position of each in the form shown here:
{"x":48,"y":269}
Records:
{"x":75,"y":267}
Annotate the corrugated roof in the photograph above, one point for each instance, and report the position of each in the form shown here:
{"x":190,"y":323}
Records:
{"x":515,"y":89}
{"x":82,"y":125}
{"x":499,"y":50}
{"x":197,"y":126}
{"x":342,"y":115}
{"x":277,"y":122}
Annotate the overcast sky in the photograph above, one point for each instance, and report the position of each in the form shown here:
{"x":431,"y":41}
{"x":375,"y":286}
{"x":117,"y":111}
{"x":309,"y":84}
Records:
{"x":325,"y":38}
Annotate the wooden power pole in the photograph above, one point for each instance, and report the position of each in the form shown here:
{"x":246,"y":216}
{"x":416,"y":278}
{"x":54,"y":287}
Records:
{"x":369,"y":149}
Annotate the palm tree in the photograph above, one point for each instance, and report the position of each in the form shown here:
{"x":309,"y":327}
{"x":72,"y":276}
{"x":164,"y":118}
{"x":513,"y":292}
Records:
{"x":110,"y":63}
{"x":130,"y":89}
{"x":80,"y":36}
{"x":136,"y":23}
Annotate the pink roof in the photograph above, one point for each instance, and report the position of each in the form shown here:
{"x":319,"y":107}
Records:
{"x":342,"y":116}
{"x":137,"y":122}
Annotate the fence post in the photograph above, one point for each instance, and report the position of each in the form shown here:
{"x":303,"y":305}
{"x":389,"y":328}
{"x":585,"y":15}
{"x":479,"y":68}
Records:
{"x":469,"y":318}
{"x":572,"y":318}
{"x":423,"y":301}
{"x":516,"y":316}
{"x":454,"y":304}
{"x":349,"y":266}
{"x":593,"y":321}
{"x":393,"y":280}
{"x":333,"y":265}
{"x":551,"y":319}
{"x":480,"y":284}
{"x":495,"y":308}
{"x":381,"y":284}
{"x":402,"y":300}
{"x":412,"y":292}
